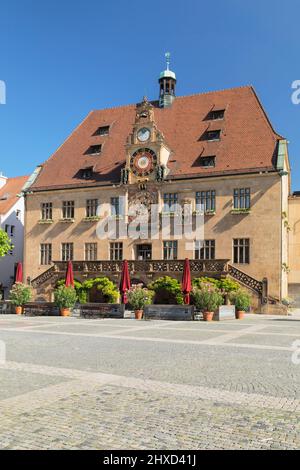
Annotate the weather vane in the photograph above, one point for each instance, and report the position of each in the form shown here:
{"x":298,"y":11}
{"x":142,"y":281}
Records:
{"x":168,"y":56}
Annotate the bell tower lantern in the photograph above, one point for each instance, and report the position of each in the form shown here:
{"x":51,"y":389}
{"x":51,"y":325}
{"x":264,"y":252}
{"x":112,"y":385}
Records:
{"x":167,"y":82}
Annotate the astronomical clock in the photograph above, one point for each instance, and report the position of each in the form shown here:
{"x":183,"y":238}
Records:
{"x":147,"y":153}
{"x":143,"y":162}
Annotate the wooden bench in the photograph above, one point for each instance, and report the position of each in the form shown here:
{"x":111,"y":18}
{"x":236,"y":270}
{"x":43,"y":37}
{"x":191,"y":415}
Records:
{"x":169,"y":312}
{"x":37,"y":309}
{"x":95,"y":310}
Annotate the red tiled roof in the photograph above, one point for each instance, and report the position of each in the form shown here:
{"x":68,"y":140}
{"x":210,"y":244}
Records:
{"x":9,"y":193}
{"x":248,"y":142}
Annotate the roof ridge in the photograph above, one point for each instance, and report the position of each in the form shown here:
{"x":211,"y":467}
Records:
{"x":214,"y":91}
{"x":177,"y":97}
{"x":117,"y":107}
{"x":258,"y":101}
{"x":17,"y":177}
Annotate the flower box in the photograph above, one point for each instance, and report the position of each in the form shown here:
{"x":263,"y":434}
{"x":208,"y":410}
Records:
{"x":45,"y":221}
{"x":170,"y":214}
{"x":209,"y":212}
{"x":93,"y":218}
{"x":70,"y":221}
{"x":240,"y":211}
{"x":116,"y":217}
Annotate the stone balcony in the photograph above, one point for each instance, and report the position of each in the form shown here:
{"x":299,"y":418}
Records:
{"x":146,"y":270}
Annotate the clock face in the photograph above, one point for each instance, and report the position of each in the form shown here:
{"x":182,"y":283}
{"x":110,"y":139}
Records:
{"x":143,"y":134}
{"x":143,"y":161}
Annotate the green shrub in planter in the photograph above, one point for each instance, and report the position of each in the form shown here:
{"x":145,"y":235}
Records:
{"x":241,"y":299}
{"x":107,"y":288}
{"x":199,"y":281}
{"x":228,"y":285}
{"x":167,"y":291}
{"x":20,"y":294}
{"x":207,"y":298}
{"x":138,"y":297}
{"x":65,"y":297}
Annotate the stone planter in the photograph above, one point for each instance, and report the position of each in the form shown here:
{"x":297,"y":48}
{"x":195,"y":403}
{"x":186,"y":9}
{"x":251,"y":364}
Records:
{"x":208,"y":316}
{"x":138,"y":314}
{"x":239,"y":314}
{"x":64,"y":312}
{"x":18,"y":310}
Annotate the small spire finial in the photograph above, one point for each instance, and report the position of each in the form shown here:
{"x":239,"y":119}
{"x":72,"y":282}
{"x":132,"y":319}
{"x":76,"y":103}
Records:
{"x":168,"y":57}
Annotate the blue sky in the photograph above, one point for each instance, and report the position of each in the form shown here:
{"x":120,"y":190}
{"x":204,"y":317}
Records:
{"x":60,"y":59}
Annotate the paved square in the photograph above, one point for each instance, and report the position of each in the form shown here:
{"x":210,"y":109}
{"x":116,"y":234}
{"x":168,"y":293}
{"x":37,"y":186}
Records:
{"x":71,"y":383}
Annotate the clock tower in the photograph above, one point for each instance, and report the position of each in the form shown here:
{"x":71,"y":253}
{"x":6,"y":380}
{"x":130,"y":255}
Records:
{"x":147,"y":153}
{"x":167,"y":85}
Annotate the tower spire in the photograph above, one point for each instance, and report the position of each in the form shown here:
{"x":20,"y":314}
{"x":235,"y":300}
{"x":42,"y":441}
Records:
{"x":167,"y":82}
{"x":168,"y":57}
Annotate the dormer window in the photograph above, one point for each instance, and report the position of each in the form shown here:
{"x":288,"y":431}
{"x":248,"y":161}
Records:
{"x":212,"y":135}
{"x":207,"y":162}
{"x":103,"y":130}
{"x":216,"y":114}
{"x":86,"y":173}
{"x":94,"y":150}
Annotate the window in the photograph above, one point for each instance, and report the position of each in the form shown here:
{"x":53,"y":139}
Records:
{"x":170,"y":249}
{"x":116,"y":251}
{"x":91,"y":207}
{"x":216,"y":114}
{"x":18,"y":213}
{"x":205,"y":250}
{"x":68,"y":210}
{"x":46,"y":210}
{"x":144,"y":252}
{"x":45,"y":253}
{"x":207,"y":161}
{"x":94,"y":150}
{"x":241,"y":250}
{"x":103,"y":130}
{"x":67,"y":250}
{"x":241,"y":198}
{"x":10,"y":230}
{"x":91,"y":251}
{"x":212,"y":135}
{"x":115,"y":205}
{"x":206,"y":200}
{"x":170,"y":199}
{"x":86,"y":173}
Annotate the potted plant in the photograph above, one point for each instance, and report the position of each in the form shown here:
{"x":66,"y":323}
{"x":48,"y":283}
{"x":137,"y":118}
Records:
{"x":242,"y":301}
{"x":138,"y":297}
{"x":288,"y":302}
{"x":207,"y":298}
{"x":19,"y":295}
{"x":65,"y":298}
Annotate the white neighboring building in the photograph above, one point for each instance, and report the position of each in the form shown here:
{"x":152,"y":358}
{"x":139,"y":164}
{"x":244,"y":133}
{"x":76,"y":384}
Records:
{"x":12,"y":221}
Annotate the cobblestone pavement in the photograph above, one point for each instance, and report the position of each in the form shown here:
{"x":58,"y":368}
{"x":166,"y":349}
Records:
{"x":70,"y":383}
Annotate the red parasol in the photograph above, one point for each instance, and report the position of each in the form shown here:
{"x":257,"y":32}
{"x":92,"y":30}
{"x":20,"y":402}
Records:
{"x":19,"y":273}
{"x":69,"y":275}
{"x":125,"y":282}
{"x":186,"y":284}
